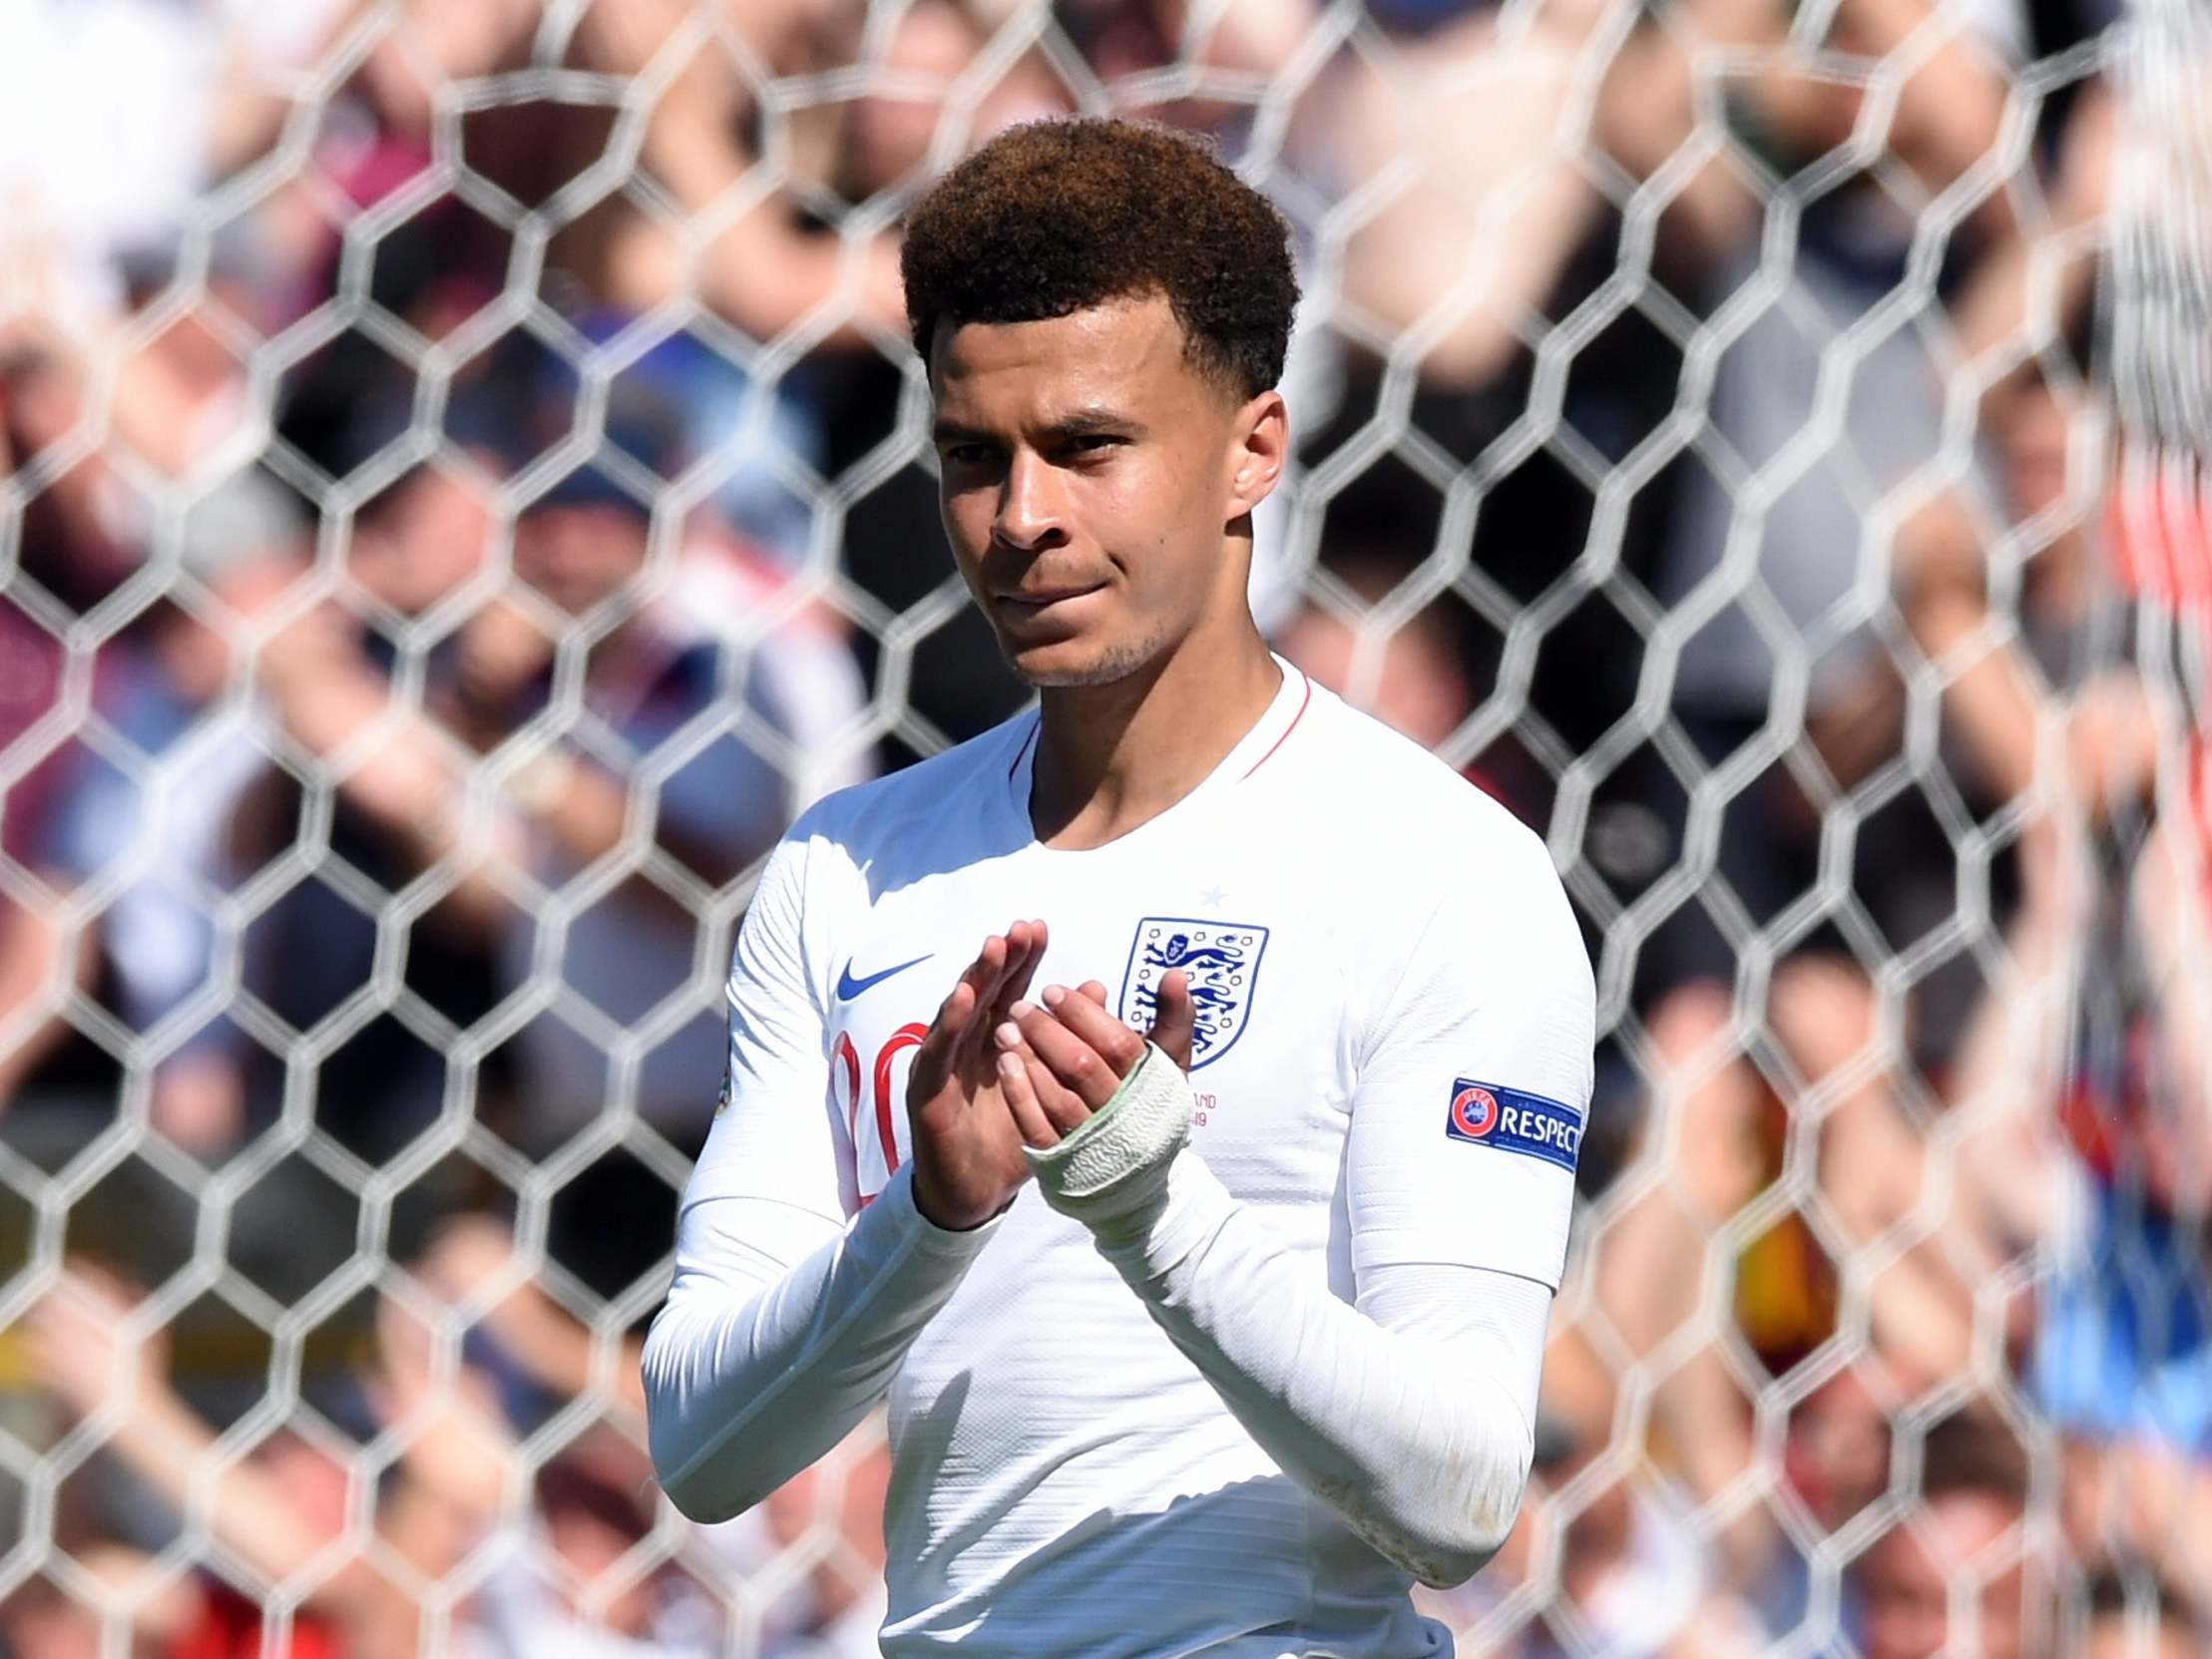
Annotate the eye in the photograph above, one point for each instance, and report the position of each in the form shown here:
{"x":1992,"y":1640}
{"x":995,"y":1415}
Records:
{"x":967,"y":455}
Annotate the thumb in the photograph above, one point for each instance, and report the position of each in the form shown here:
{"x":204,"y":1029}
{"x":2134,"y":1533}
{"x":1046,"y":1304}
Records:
{"x":1178,"y":1018}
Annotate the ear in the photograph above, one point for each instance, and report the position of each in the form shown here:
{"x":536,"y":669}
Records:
{"x":1259,"y":446}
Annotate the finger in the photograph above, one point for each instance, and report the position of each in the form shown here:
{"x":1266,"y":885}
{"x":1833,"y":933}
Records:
{"x":1062,"y":1107}
{"x":1076,"y":1065}
{"x":977,"y":975}
{"x":1114,"y":1042}
{"x":1033,"y":936}
{"x":1020,"y":1101}
{"x":1093,"y":990}
{"x":1002,"y":964}
{"x":933,"y":1059}
{"x":1007,"y":962}
{"x":1178,"y":1022}
{"x":1065,"y":1109}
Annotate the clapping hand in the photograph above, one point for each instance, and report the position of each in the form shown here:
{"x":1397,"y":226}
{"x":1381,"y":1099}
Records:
{"x":967,"y":1154}
{"x":1063,"y":1057}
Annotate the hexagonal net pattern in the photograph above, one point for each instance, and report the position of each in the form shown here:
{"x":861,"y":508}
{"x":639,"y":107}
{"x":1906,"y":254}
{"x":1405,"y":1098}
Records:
{"x":464,"y":486}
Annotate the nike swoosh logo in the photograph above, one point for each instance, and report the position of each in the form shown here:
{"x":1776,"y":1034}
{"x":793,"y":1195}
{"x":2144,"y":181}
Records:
{"x":848,"y":988}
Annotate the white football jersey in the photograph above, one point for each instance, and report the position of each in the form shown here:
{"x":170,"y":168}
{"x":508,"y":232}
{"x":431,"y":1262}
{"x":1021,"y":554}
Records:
{"x":1392,"y":1066}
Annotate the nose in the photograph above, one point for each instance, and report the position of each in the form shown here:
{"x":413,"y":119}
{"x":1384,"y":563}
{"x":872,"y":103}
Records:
{"x":1030,"y":515}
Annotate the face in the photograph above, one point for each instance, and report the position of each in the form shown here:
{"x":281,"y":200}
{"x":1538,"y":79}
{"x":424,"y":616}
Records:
{"x":309,"y":1479}
{"x":590,"y":1549}
{"x":579,"y":556}
{"x":1839,"y":1450}
{"x":889,"y":137}
{"x":2033,"y":438}
{"x":421,"y":544}
{"x":1418,"y":688}
{"x":1906,"y":1583}
{"x":2121,"y":1635}
{"x":1092,"y":480}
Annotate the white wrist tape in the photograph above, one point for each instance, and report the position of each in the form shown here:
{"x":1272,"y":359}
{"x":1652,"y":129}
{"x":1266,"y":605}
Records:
{"x":1116,"y":1159}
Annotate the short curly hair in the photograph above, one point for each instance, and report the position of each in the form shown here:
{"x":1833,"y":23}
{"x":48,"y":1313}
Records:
{"x":1055,"y":217}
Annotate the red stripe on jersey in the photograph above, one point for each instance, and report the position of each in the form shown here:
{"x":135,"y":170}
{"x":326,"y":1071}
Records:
{"x":851,"y":1057}
{"x":906,"y":1037}
{"x":1287,"y":730}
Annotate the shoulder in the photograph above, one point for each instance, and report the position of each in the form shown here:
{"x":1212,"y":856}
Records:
{"x":937,"y":809}
{"x":853,"y":844}
{"x":1379,"y":786}
{"x":1442,"y":883}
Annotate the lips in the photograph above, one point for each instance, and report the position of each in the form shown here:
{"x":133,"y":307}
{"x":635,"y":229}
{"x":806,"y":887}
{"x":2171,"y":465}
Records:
{"x":1037,"y":598}
{"x":1043,"y":613}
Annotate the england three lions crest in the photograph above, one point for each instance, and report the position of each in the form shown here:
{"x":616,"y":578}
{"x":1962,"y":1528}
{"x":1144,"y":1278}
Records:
{"x":1221,"y":960}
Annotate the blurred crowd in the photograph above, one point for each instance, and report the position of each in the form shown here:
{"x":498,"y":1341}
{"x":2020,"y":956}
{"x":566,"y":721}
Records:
{"x":461,"y":495}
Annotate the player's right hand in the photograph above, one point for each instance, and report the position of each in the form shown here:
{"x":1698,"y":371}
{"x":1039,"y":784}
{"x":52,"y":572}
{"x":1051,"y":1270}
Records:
{"x":968,"y":1158}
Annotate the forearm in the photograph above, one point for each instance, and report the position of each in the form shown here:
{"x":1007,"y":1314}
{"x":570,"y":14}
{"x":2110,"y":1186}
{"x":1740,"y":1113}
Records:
{"x":31,"y":947}
{"x":755,"y":1369}
{"x":757,"y":266}
{"x":167,"y":1444}
{"x":409,"y":781}
{"x":1421,"y":1444}
{"x":1410,"y":1413}
{"x":329,"y":704}
{"x":1988,"y":692}
{"x":559,"y":1353}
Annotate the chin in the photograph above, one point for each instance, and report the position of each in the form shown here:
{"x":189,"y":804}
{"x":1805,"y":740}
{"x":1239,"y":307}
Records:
{"x":1078,"y":661}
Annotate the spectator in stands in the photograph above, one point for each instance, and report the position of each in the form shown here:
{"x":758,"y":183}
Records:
{"x":1412,"y":677}
{"x":559,"y":1577}
{"x":1714,"y":1136}
{"x":1609,"y":1542}
{"x":700,"y":691}
{"x":526,"y":1334}
{"x":1962,"y":1550}
{"x":1828,"y":394}
{"x":676,"y":707}
{"x":1454,"y":242}
{"x":159,"y":828}
{"x":2081,"y":1152}
{"x":327,"y":683}
{"x":115,"y":118}
{"x":1836,"y":1461}
{"x":44,"y":1619}
{"x":172,"y":402}
{"x":274,"y":1511}
{"x":2135,"y":1616}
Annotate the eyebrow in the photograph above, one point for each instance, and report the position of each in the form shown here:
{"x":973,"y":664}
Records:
{"x":1079,"y":423}
{"x":952,"y":432}
{"x":1082,"y":423}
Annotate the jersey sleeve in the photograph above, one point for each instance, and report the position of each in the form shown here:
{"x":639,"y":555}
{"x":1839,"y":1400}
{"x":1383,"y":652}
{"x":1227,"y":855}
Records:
{"x":785,"y":1321}
{"x":774,"y":1136}
{"x":1474,"y":1072}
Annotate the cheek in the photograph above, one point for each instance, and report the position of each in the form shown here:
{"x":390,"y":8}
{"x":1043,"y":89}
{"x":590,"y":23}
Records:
{"x":966,"y":519}
{"x":1149,"y":520}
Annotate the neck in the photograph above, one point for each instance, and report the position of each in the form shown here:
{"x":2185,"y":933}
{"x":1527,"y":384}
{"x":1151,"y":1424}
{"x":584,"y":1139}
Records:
{"x":1109,"y":757}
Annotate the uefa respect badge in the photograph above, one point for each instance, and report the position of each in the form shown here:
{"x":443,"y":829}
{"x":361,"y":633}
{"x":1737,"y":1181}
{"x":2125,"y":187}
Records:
{"x":1513,"y":1121}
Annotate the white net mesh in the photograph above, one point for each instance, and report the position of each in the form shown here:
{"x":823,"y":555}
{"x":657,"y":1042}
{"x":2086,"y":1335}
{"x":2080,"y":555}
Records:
{"x":462,"y":490}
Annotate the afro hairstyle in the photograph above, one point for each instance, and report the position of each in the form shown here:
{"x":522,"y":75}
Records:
{"x":1055,"y":217}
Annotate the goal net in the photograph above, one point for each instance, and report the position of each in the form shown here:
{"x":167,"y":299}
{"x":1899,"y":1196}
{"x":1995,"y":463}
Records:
{"x":463,"y":489}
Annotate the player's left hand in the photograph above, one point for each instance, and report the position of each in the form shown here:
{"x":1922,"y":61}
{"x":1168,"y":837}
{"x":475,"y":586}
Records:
{"x":1062,"y":1057}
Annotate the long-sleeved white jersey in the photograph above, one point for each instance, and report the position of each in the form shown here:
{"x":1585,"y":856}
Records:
{"x":1312,"y":1375}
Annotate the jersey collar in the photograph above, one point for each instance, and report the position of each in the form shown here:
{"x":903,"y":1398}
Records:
{"x":1275,"y":725}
